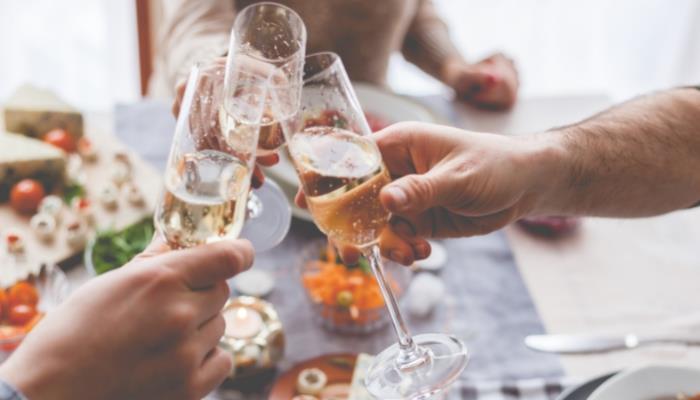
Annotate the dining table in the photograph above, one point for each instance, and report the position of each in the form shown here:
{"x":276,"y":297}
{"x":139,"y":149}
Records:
{"x":612,"y":276}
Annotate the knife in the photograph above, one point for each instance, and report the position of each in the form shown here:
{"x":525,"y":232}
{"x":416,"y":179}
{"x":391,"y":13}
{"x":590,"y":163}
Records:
{"x":589,"y":344}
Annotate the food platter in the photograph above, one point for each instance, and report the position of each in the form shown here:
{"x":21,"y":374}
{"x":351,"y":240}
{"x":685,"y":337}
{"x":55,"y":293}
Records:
{"x":94,"y":175}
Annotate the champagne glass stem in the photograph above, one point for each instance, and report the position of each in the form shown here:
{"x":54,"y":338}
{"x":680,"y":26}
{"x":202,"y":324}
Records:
{"x":410,"y":355}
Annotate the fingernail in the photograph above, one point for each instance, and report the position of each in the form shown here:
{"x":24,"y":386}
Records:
{"x":398,"y":195}
{"x":491,"y":79}
{"x":422,"y":250}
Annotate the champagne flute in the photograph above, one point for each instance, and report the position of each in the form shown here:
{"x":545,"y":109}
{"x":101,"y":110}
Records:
{"x":341,"y":172}
{"x":271,"y":39}
{"x":274,"y":36}
{"x":207,"y":178}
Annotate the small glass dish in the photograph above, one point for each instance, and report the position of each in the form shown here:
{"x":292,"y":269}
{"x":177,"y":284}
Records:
{"x":53,"y":287}
{"x":346,"y":299}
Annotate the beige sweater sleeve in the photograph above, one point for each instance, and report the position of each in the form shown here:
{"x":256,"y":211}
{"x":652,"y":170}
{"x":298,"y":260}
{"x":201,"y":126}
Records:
{"x":192,"y":30}
{"x":427,"y":43}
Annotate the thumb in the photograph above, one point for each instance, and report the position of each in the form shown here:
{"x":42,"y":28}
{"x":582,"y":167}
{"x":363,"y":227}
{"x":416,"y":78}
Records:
{"x":415,"y":193}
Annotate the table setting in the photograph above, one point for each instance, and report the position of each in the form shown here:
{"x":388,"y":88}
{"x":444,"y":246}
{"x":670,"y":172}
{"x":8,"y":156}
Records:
{"x":473,"y":321}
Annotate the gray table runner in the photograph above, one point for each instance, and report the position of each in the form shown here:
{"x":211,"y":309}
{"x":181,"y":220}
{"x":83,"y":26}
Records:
{"x":488,"y":305}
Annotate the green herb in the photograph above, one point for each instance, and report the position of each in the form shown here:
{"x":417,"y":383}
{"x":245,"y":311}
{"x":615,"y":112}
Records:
{"x":112,"y":249}
{"x":72,"y":191}
{"x":363,"y":264}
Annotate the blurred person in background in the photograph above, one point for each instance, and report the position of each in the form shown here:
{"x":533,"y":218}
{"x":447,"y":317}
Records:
{"x":364,"y":33}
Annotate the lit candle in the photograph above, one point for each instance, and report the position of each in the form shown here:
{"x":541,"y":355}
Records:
{"x":242,"y":322}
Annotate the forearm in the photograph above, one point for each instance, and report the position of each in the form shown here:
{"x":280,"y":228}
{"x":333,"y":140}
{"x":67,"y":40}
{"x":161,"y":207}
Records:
{"x":637,"y":159}
{"x":427,"y":43}
{"x":194,"y":30}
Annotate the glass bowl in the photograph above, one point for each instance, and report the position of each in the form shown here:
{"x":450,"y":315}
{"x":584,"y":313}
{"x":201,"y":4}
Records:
{"x":347,"y":299}
{"x":53,"y":287}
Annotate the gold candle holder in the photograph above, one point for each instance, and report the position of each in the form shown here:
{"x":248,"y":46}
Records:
{"x":254,"y":336}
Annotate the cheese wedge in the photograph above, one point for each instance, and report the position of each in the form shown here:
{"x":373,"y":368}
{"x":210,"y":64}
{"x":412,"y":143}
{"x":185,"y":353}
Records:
{"x":22,"y":157}
{"x":33,"y":112}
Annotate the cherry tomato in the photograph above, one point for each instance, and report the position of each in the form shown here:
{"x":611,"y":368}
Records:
{"x":23,"y":293}
{"x":61,"y":139}
{"x":21,"y":314}
{"x":26,"y":196}
{"x":10,"y":332}
{"x":4,"y":305}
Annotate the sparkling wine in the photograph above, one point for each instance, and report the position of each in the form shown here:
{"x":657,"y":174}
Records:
{"x":204,"y":199}
{"x":342,"y":174}
{"x":271,"y":136}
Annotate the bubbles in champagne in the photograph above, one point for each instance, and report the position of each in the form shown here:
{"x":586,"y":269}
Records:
{"x":204,"y":199}
{"x":342,"y":174}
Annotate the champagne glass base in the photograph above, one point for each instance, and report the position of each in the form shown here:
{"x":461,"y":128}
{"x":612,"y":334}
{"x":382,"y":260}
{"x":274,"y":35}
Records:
{"x":269,"y":219}
{"x":445,"y":359}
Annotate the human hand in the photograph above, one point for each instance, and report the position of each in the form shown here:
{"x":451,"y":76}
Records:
{"x":491,"y":83}
{"x":454,"y":183}
{"x":148,"y":330}
{"x":451,"y":183}
{"x":204,"y":115}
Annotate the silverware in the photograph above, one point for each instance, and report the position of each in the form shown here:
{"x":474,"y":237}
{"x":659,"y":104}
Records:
{"x":587,"y":344}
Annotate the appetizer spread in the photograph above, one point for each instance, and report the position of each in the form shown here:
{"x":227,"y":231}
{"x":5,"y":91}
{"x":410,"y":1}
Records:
{"x":57,"y":188}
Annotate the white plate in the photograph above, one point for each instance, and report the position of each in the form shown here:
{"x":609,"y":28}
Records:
{"x":650,"y":383}
{"x":382,"y":103}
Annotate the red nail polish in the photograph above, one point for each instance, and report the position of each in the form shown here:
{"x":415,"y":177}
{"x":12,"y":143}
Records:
{"x":491,"y":79}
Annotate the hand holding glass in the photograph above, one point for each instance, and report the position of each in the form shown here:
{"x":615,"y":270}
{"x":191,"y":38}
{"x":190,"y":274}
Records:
{"x":341,"y":172}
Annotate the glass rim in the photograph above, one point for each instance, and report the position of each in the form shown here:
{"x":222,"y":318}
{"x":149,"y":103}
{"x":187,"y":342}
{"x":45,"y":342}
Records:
{"x":333,"y":64}
{"x":302,"y":39}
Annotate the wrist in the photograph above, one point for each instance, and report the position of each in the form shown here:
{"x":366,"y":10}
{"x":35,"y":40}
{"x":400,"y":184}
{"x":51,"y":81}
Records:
{"x":32,"y":382}
{"x":450,"y":70}
{"x":549,"y":181}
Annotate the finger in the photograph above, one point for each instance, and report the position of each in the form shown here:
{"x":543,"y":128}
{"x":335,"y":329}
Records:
{"x":179,"y":93}
{"x":209,"y":334}
{"x":483,"y":225}
{"x":214,"y":370}
{"x":300,"y":199}
{"x":420,"y":247}
{"x":412,"y":194}
{"x":203,"y":266}
{"x":258,"y":178}
{"x":473,"y":82}
{"x":395,"y":247}
{"x":349,"y":253}
{"x":209,"y":302}
{"x":268,"y":160}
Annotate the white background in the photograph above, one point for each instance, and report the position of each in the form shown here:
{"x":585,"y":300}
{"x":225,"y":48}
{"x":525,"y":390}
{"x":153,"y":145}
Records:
{"x":86,"y":50}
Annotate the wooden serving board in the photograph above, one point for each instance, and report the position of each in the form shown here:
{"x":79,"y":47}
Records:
{"x":337,"y":367}
{"x":98,"y":130}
